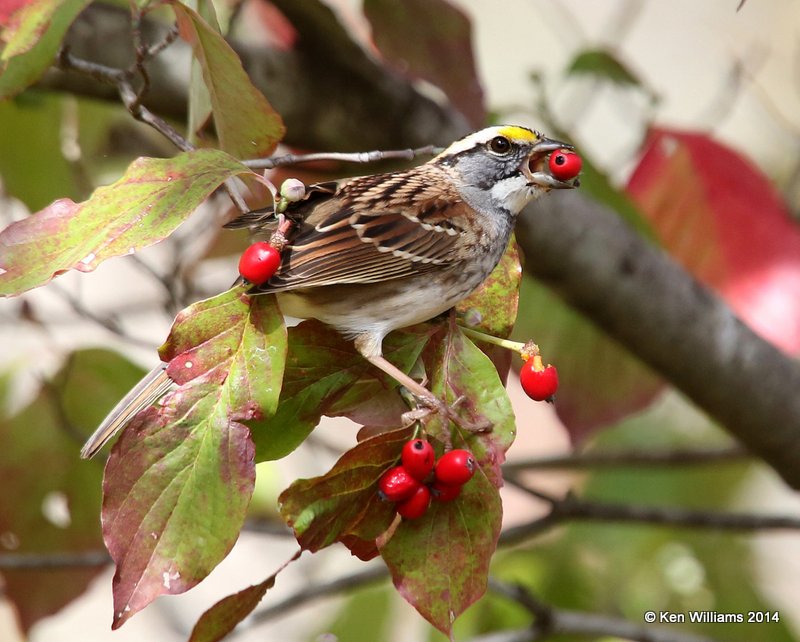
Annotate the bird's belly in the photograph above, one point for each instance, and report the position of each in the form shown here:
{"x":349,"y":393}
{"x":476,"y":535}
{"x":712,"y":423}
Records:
{"x":356,"y":309}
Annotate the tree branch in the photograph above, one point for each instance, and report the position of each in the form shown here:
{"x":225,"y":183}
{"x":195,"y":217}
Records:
{"x":672,"y":459}
{"x":642,"y":298}
{"x":52,"y":561}
{"x":365,"y":106}
{"x":571,"y":507}
{"x":551,"y":621}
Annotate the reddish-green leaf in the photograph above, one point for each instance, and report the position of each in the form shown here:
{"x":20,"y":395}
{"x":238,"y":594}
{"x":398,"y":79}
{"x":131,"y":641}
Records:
{"x":723,"y":219}
{"x":432,"y":40}
{"x":246,"y":124}
{"x":50,"y":499}
{"x":223,"y":617}
{"x":32,"y":36}
{"x":144,"y":206}
{"x":440,"y":562}
{"x":373,"y":400}
{"x":179,"y":480}
{"x":344,"y":501}
{"x":492,"y":308}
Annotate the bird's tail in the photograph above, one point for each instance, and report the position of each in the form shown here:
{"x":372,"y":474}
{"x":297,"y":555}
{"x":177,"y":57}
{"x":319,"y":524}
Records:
{"x":152,"y":387}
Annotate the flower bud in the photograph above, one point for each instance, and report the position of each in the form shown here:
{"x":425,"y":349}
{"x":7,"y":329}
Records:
{"x":293,"y":190}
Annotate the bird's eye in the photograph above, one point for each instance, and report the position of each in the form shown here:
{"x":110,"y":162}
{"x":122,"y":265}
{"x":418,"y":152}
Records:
{"x":500,"y":145}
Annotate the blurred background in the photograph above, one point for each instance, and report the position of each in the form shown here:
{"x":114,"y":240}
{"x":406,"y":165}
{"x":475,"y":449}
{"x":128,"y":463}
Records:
{"x":603,"y":74}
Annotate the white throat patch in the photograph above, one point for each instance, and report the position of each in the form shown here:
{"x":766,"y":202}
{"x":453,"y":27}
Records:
{"x":512,"y":193}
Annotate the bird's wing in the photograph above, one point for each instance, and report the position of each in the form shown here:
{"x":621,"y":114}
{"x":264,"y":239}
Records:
{"x":373,"y":229}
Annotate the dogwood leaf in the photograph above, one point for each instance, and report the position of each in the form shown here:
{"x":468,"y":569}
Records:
{"x":245,"y":122}
{"x":32,"y":36}
{"x":178,"y":481}
{"x":727,"y":224}
{"x":440,"y":562}
{"x":344,"y":501}
{"x":141,"y":208}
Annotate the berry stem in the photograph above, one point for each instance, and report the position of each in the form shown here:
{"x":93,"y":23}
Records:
{"x":516,"y":346}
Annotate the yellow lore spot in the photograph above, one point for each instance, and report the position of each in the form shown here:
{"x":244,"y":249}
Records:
{"x":515,"y":132}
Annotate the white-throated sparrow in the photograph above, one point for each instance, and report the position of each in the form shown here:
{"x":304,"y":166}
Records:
{"x":376,"y":253}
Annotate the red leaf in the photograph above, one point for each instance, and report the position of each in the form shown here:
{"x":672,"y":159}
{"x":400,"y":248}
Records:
{"x":725,"y":222}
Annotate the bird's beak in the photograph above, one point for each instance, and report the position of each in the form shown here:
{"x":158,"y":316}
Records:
{"x":535,"y":167}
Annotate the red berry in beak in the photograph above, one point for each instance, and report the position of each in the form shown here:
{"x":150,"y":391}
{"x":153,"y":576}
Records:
{"x":564,"y":164}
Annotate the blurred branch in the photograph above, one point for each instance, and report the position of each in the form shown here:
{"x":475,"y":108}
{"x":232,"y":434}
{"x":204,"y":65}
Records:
{"x":551,"y":621}
{"x":633,"y":459}
{"x":571,"y":507}
{"x":313,"y":592}
{"x":365,"y":105}
{"x":52,"y":561}
{"x":652,"y":306}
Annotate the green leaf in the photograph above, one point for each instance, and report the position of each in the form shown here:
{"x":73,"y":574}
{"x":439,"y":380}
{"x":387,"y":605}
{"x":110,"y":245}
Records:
{"x":457,"y":368}
{"x":179,"y":480}
{"x":432,"y":40}
{"x":32,"y":39}
{"x":321,"y":368}
{"x":143,"y":207}
{"x":492,"y":308}
{"x":345,"y":500}
{"x":50,"y":498}
{"x":604,"y":65}
{"x":440,"y":562}
{"x":246,"y":124}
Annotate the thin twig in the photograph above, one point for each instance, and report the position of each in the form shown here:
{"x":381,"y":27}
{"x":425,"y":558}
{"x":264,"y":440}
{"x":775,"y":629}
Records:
{"x":108,"y":323}
{"x":632,"y":459}
{"x":355,"y":157}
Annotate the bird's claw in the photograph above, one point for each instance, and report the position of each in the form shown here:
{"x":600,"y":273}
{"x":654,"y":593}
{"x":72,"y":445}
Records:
{"x":429,"y":405}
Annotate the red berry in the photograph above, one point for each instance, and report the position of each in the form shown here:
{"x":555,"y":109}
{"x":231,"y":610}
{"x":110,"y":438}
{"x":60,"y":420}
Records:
{"x":565,"y":164}
{"x":455,"y":467}
{"x":445,"y":492}
{"x":418,"y":458}
{"x":396,"y":484}
{"x":415,"y":506}
{"x":539,"y":383}
{"x":259,"y":262}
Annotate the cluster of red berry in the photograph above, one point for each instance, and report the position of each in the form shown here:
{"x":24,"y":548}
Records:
{"x":419,"y":478}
